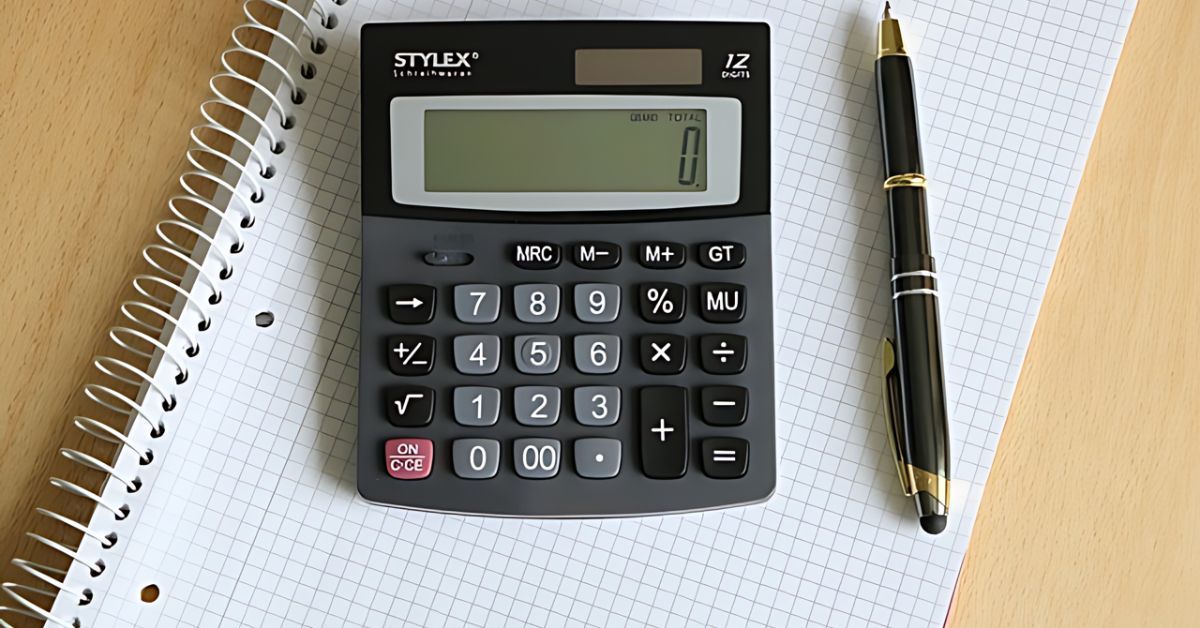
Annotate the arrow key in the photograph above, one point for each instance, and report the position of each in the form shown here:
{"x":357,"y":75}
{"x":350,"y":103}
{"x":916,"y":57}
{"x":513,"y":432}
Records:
{"x":411,"y":303}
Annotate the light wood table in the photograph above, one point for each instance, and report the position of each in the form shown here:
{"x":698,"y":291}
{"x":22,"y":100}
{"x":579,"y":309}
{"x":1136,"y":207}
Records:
{"x":1092,"y":513}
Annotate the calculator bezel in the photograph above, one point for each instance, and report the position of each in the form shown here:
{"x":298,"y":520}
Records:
{"x":533,"y":58}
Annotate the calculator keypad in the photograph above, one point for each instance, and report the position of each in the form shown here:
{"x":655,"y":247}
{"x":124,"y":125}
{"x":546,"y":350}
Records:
{"x":634,"y":374}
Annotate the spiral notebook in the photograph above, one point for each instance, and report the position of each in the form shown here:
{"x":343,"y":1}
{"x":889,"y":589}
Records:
{"x":232,"y":500}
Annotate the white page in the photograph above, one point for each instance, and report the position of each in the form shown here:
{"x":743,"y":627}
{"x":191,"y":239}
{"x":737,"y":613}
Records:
{"x":252,"y":517}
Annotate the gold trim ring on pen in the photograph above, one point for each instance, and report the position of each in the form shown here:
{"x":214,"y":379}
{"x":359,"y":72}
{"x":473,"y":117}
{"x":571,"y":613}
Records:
{"x":906,"y":180}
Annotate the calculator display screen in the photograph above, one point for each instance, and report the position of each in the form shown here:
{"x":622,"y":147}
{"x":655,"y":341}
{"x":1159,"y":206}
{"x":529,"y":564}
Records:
{"x":565,"y":150}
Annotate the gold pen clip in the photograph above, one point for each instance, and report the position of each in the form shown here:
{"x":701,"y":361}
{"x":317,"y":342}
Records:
{"x":891,"y":414}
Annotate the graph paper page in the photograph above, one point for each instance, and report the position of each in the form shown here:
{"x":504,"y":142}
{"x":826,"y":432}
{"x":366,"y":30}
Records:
{"x":251,"y":515}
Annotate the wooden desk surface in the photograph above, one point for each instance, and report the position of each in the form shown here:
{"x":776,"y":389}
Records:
{"x":1104,"y":531}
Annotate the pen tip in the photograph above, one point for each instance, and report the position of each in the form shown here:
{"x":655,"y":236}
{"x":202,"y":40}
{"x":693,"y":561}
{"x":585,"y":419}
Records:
{"x":933,"y":524}
{"x":887,"y":10}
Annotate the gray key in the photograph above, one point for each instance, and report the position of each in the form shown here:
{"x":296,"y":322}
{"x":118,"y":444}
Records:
{"x":477,"y":354}
{"x":537,"y":458}
{"x":476,"y":458}
{"x":476,"y":406}
{"x":537,"y":405}
{"x":537,"y":354}
{"x":536,"y":302}
{"x":597,"y":354}
{"x":597,"y":302}
{"x":477,"y":303}
{"x":597,"y":458}
{"x":597,"y":405}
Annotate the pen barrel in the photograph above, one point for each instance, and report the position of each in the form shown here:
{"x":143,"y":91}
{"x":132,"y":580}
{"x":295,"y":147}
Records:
{"x":922,"y":385}
{"x":898,"y":125}
{"x":924,"y":443}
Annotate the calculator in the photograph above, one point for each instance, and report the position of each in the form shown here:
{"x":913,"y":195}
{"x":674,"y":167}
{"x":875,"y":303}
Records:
{"x":566,"y":292}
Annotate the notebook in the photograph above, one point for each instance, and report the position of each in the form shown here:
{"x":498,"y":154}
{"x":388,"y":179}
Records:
{"x":247,"y":513}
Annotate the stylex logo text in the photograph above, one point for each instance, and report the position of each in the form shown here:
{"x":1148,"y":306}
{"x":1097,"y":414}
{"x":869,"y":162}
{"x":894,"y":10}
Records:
{"x":451,"y":64}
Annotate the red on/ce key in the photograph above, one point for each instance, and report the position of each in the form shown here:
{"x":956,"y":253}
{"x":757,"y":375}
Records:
{"x":409,"y":458}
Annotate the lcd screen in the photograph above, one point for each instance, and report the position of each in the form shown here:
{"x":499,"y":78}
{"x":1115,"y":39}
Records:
{"x":565,"y":150}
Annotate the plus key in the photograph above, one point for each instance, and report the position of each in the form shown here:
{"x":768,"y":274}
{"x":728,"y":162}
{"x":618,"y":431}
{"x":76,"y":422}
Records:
{"x":662,"y":422}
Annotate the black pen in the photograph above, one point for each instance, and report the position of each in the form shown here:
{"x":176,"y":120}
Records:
{"x":914,"y":386}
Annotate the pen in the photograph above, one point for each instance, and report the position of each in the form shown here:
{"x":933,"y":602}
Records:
{"x":914,"y":387}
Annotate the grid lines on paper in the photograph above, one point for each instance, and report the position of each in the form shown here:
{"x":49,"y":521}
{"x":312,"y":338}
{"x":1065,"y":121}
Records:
{"x":254,"y":518}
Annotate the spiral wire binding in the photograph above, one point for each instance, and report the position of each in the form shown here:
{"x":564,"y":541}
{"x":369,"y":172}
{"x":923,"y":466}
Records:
{"x":150,"y":318}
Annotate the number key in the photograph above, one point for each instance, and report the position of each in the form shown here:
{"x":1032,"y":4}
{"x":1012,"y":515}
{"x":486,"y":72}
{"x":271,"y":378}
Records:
{"x":475,"y":458}
{"x":477,"y":354}
{"x":537,"y":458}
{"x":476,"y":406}
{"x":597,"y":406}
{"x":537,"y":405}
{"x":477,"y":303}
{"x":536,"y":302}
{"x":537,"y":354}
{"x":597,"y":302}
{"x":597,"y":354}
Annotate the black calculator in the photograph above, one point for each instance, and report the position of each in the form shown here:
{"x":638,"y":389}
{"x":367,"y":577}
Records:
{"x":566,"y":282}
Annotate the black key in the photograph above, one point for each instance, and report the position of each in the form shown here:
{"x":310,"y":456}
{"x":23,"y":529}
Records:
{"x":596,"y":255}
{"x":724,"y":458}
{"x":411,"y":303}
{"x":410,"y":354}
{"x":722,"y":302}
{"x":662,"y":254}
{"x":537,"y":255}
{"x":662,"y":302}
{"x":663,"y":354}
{"x":410,"y":406}
{"x":723,"y":354}
{"x":722,"y":255}
{"x":723,"y":405}
{"x":663,"y":426}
